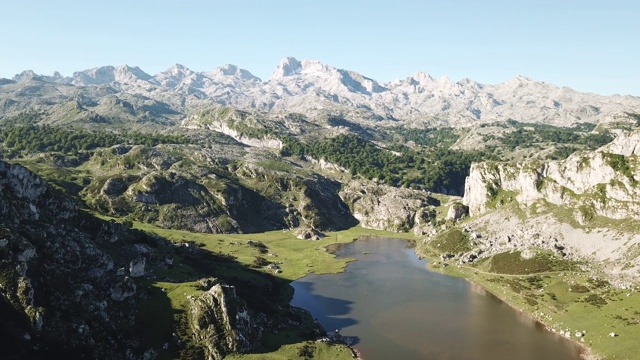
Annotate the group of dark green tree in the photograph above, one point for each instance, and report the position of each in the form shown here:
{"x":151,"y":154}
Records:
{"x":29,"y":138}
{"x":437,"y":168}
{"x":432,"y":164}
{"x":568,"y":139}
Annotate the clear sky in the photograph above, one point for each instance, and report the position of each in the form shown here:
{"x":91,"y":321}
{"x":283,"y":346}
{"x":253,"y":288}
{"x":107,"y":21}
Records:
{"x":587,"y":45}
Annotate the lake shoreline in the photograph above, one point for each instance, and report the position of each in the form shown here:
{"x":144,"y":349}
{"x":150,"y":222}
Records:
{"x":581,"y":351}
{"x":586,"y":352}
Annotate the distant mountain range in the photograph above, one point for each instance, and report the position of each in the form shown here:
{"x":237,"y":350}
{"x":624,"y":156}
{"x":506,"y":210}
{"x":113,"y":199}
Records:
{"x":308,"y":87}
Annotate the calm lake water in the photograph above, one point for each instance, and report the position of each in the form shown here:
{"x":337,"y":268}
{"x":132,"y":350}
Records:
{"x":394,"y":308}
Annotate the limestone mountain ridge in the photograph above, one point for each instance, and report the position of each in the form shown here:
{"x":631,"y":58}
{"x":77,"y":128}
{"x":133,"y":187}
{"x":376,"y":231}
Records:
{"x":312,"y":88}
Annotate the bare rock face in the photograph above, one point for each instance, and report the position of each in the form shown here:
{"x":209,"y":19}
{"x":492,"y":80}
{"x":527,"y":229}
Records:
{"x":220,"y":322}
{"x":225,"y":126}
{"x":457,"y":211}
{"x":603,"y":182}
{"x":384,"y":207}
{"x":136,"y":267}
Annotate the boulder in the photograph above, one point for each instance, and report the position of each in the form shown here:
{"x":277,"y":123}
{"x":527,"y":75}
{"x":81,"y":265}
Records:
{"x":457,"y":211}
{"x":306,"y":233}
{"x":136,"y":267}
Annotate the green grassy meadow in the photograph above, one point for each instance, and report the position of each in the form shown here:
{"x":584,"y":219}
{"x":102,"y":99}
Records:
{"x":561,"y":296}
{"x":295,"y":257}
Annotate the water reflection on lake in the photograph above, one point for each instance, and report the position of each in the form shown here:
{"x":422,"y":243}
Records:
{"x":394,"y":308}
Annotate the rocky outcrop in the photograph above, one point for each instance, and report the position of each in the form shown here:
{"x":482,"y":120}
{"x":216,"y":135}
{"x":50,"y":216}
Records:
{"x":75,"y":286}
{"x":208,"y":195}
{"x":312,"y":200}
{"x":517,"y":237}
{"x":325,"y":165}
{"x":457,"y":211}
{"x":603,"y":182}
{"x":60,"y":290}
{"x":384,"y":207}
{"x":221,"y":323}
{"x":306,"y":233}
{"x":242,"y":126}
{"x":267,"y":142}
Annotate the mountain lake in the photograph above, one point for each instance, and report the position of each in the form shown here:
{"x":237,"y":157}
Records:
{"x":388,"y":305}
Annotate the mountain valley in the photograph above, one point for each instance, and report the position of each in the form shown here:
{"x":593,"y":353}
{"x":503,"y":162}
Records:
{"x":164,"y":216}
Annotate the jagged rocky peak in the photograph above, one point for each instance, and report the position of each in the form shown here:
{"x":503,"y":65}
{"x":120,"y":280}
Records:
{"x":174,"y":75}
{"x":445,"y":80}
{"x":126,"y":72}
{"x":288,"y":66}
{"x":418,"y":79}
{"x":108,"y":74}
{"x":299,"y":86}
{"x":25,"y":76}
{"x":234,"y":71}
{"x":28,"y":75}
{"x":94,"y":76}
{"x":421,"y":81}
{"x":228,"y":69}
{"x":470,"y":83}
{"x":357,"y":83}
{"x":316,"y":67}
{"x":178,"y":70}
{"x":520,"y":81}
{"x":421,"y":77}
{"x":523,"y":79}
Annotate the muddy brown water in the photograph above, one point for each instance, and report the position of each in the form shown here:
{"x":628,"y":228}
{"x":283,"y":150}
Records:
{"x":391,"y":307}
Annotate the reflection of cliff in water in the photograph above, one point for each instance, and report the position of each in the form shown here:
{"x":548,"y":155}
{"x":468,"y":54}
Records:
{"x":399,"y":309}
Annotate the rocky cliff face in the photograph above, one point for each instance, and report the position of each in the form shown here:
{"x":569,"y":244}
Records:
{"x":603,"y":182}
{"x":384,"y":207}
{"x":66,"y":286}
{"x":220,"y":322}
{"x":245,"y":127}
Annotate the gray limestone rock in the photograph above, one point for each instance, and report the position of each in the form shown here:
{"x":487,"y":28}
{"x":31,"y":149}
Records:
{"x":384,"y":207}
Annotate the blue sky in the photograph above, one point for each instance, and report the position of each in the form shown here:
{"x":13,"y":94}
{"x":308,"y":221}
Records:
{"x":587,"y":45}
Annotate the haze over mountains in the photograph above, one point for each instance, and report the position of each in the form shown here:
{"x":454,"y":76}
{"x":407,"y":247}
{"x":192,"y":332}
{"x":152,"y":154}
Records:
{"x":311,"y":87}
